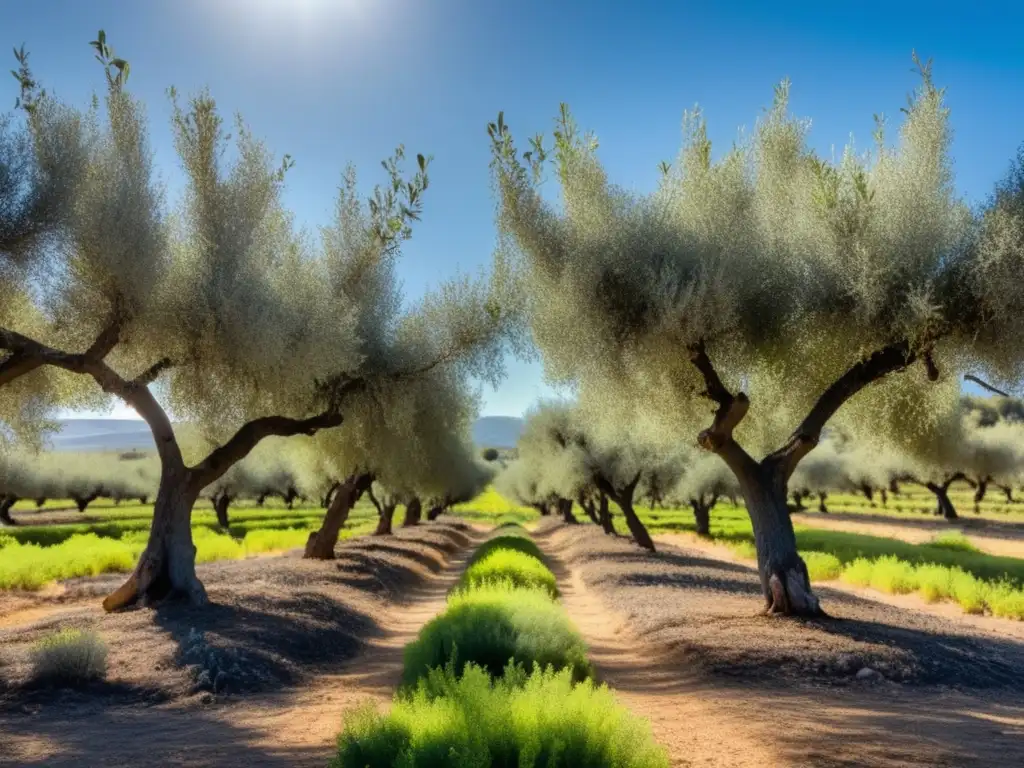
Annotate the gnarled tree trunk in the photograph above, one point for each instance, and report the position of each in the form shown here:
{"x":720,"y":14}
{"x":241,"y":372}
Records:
{"x":326,"y":501}
{"x":587,"y":504}
{"x":869,"y":492}
{"x":220,"y":506}
{"x":83,"y":502}
{"x":565,"y":509}
{"x":624,"y":498}
{"x":604,"y":514}
{"x":6,"y":502}
{"x":894,"y":487}
{"x":40,"y":502}
{"x":1008,"y":492}
{"x":785,"y":582}
{"x":798,"y":500}
{"x":321,"y":543}
{"x":435,"y":512}
{"x":884,"y":495}
{"x":821,"y":501}
{"x":385,"y":519}
{"x":980,"y":488}
{"x":702,"y":513}
{"x":941,"y":491}
{"x":413,"y":512}
{"x":167,"y":567}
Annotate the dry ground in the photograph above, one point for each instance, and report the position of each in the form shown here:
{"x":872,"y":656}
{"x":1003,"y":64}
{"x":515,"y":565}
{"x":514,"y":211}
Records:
{"x":678,"y":636}
{"x":298,"y":643}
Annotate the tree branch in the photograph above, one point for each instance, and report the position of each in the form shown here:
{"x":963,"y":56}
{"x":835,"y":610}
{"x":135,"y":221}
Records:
{"x":373,"y":498}
{"x":967,"y":377}
{"x":28,"y":354}
{"x":730,"y":412}
{"x":245,"y":439}
{"x":150,"y":375}
{"x":895,"y":357}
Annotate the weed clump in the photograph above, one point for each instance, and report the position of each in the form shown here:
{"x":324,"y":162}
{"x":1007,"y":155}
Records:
{"x":69,"y":657}
{"x":517,"y":720}
{"x":515,"y":567}
{"x":491,"y":624}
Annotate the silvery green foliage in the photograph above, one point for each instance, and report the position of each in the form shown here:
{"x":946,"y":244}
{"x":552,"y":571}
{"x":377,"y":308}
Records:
{"x":825,"y":469}
{"x":791,"y":268}
{"x":48,"y":475}
{"x":704,"y":475}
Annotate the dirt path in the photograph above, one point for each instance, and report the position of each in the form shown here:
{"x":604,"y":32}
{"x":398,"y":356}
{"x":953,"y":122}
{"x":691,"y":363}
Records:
{"x":291,"y":728}
{"x":1008,"y":628}
{"x":993,"y":538}
{"x":736,"y":717}
{"x":693,"y":721}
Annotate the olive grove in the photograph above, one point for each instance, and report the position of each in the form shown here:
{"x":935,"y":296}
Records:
{"x":784,"y":290}
{"x":244,"y":326}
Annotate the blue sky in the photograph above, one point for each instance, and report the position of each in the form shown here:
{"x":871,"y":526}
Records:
{"x":334,"y":81}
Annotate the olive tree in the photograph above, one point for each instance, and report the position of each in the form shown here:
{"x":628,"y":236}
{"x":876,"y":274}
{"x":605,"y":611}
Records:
{"x":219,"y":303}
{"x":704,"y":481}
{"x":767,"y":277}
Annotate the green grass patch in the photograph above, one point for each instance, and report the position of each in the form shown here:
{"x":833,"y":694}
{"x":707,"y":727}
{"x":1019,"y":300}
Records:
{"x":490,"y":506}
{"x":955,"y":542}
{"x":31,"y":566}
{"x":490,"y":625}
{"x":510,"y":540}
{"x":516,"y":568}
{"x":821,"y":566}
{"x":515,"y":721}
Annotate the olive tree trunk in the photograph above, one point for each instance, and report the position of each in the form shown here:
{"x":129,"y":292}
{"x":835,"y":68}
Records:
{"x":884,"y":495}
{"x":702,"y":513}
{"x":413,"y":512}
{"x":604,"y":514}
{"x":220,"y":506}
{"x":980,"y":489}
{"x":1008,"y":492}
{"x":565,"y":509}
{"x":945,"y":506}
{"x":435,"y":512}
{"x":321,"y":543}
{"x":623,"y":496}
{"x":385,"y":519}
{"x":822,"y":496}
{"x":167,"y":567}
{"x":83,"y":502}
{"x":6,"y":502}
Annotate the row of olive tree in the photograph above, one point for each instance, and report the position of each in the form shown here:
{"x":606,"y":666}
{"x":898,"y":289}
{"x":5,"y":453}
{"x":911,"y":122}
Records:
{"x":244,"y":327}
{"x":854,"y":292}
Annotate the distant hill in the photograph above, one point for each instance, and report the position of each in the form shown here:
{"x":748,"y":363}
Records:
{"x":125,"y":434}
{"x":497,"y":431}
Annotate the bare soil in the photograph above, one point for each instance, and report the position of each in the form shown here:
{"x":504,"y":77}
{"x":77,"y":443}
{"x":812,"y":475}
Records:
{"x":994,"y":537}
{"x":678,"y":635}
{"x":293,"y":644}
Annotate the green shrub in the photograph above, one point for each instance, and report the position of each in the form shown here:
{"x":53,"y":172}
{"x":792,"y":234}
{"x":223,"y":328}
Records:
{"x":510,"y":539}
{"x":492,"y":624}
{"x":858,"y":572}
{"x":69,"y":657}
{"x":955,"y":542}
{"x":892,"y":575}
{"x":934,"y":582}
{"x":822,"y":566}
{"x":515,"y":721}
{"x":518,"y":568}
{"x":1006,"y":601}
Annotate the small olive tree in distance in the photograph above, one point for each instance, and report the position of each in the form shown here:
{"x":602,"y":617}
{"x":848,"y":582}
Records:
{"x":221,"y":302}
{"x":772,"y":284}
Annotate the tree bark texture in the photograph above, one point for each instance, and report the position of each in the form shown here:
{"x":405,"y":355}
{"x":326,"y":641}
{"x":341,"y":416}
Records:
{"x":604,"y":514}
{"x":413,"y":512}
{"x":565,"y":509}
{"x":6,"y":502}
{"x":220,"y":506}
{"x":321,"y":543}
{"x":941,"y":491}
{"x":385,"y":519}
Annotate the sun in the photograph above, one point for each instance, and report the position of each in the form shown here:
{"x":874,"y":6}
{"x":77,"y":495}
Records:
{"x":294,"y":19}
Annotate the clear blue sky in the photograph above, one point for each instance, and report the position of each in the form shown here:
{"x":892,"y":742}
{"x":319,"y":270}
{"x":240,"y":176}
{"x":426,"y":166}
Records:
{"x":333,"y":81}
